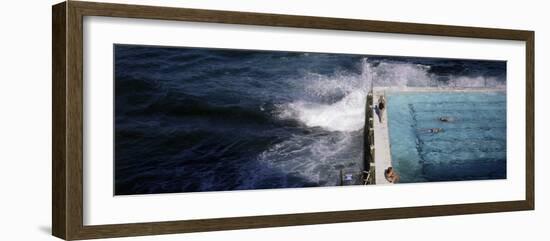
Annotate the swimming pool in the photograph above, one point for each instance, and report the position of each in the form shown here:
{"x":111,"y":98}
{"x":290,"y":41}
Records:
{"x":470,"y":146}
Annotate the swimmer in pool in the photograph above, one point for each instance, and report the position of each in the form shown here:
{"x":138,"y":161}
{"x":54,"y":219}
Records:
{"x":436,"y":130}
{"x":432,"y":130}
{"x":446,"y":119}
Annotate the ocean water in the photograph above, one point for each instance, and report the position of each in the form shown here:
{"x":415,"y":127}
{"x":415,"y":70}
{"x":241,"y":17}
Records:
{"x":471,"y":146}
{"x":196,"y":119}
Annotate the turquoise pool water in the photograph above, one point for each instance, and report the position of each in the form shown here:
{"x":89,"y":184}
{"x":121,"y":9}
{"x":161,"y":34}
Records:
{"x":471,"y":145}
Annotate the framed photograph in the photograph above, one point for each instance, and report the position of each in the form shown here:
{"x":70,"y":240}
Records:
{"x":170,"y":120}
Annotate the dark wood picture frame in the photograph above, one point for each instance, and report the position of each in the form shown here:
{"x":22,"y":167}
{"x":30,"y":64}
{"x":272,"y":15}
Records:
{"x":67,"y":152}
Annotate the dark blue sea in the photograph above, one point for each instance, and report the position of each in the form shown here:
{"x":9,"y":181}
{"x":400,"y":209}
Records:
{"x":197,"y":119}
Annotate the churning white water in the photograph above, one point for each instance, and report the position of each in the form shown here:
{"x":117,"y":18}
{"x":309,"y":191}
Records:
{"x":347,"y":114}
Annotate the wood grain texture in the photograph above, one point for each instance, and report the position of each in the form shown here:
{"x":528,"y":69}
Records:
{"x":59,"y":192}
{"x":67,"y":157}
{"x":74,"y":121}
{"x":122,"y":230}
{"x":263,"y":19}
{"x":530,"y":120}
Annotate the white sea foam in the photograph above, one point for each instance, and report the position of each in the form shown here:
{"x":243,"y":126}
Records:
{"x":347,"y":114}
{"x":313,"y":157}
{"x":473,"y":82}
{"x":399,"y":74}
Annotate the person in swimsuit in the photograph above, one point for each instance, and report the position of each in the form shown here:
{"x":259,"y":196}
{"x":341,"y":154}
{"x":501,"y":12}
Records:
{"x":435,"y":130}
{"x":431,"y":130}
{"x":380,"y":108}
{"x":381,"y":103}
{"x":391,"y":175}
{"x":446,"y":119}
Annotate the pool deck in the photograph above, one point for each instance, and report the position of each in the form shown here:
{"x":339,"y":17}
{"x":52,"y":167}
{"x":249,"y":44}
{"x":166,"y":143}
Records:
{"x":382,"y":157}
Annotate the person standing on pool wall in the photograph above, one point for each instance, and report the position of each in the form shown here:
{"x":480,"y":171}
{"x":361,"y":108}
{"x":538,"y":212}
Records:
{"x":380,"y":108}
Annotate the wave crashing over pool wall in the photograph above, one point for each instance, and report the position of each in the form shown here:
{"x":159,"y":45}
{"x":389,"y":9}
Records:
{"x":197,"y":119}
